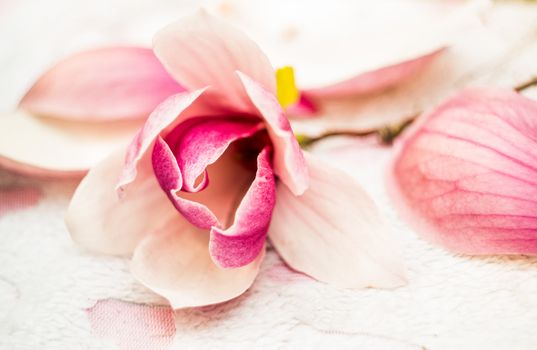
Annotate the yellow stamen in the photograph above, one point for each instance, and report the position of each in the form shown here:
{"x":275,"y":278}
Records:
{"x":285,"y":86}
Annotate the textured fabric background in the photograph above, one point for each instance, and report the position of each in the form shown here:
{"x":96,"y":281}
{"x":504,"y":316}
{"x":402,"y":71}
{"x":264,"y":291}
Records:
{"x":53,"y":295}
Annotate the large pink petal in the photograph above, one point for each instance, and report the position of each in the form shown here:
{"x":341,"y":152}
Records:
{"x":101,"y":221}
{"x":201,"y":51}
{"x":334,"y":232}
{"x":241,"y":243}
{"x":465,"y":176}
{"x":376,"y":80}
{"x":288,"y":160}
{"x":104,"y":84}
{"x":175,"y":263}
{"x":165,"y":117}
{"x":58,"y":148}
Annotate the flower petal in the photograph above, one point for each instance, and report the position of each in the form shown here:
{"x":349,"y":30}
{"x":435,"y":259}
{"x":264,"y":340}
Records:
{"x":103,"y":84}
{"x":202,"y":141}
{"x":375,"y":80}
{"x":175,"y":263}
{"x":369,"y":35}
{"x":214,"y":205}
{"x":465,"y":176}
{"x":241,"y":243}
{"x":101,"y":221}
{"x":334,"y":232}
{"x":288,"y":160}
{"x":166,"y":116}
{"x":171,"y":180}
{"x":201,"y":51}
{"x":53,"y":147}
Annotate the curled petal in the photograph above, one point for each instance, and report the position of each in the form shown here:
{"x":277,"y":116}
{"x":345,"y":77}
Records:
{"x":104,"y":84}
{"x":465,"y":176}
{"x":215,"y":205}
{"x":175,"y":263}
{"x":241,"y":243}
{"x":171,"y":180}
{"x":201,"y":51}
{"x":58,"y":148}
{"x":171,"y":112}
{"x":102,"y":222}
{"x":288,"y":160}
{"x":334,"y":232}
{"x":201,"y":142}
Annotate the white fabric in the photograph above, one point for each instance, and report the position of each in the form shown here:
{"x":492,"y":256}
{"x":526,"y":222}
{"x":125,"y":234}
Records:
{"x":451,"y":302}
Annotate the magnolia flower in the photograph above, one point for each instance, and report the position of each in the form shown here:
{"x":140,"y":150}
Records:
{"x":465,"y":175}
{"x":216,"y":169}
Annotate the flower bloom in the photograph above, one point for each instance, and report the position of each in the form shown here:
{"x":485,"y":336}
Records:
{"x":213,"y":171}
{"x":465,"y":176}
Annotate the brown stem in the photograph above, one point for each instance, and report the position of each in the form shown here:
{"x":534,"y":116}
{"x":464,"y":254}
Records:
{"x":386,"y":134}
{"x":525,"y":85}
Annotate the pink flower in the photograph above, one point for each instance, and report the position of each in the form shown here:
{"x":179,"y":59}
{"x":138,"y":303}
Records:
{"x":465,"y":176}
{"x":215,"y":170}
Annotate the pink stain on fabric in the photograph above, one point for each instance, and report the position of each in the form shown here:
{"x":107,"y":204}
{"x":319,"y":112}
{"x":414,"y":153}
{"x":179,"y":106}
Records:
{"x":133,"y":326}
{"x":18,"y":198}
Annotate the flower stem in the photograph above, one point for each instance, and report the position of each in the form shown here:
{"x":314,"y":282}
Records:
{"x":387,"y":133}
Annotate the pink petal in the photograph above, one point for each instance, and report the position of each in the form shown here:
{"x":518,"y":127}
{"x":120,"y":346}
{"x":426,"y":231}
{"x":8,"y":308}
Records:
{"x":202,"y":141}
{"x":201,"y":51}
{"x":215,"y":205}
{"x":303,"y":108}
{"x":376,"y":80}
{"x":176,"y":264}
{"x":58,"y":148}
{"x":197,"y":143}
{"x":334,"y":232}
{"x":288,"y":160}
{"x":465,"y":176}
{"x":103,"y":84}
{"x":241,"y":243}
{"x":174,"y":110}
{"x":102,"y":222}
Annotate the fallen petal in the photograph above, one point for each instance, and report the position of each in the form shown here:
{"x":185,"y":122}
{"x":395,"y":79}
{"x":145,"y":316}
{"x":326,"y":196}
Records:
{"x":370,"y":35}
{"x":53,"y":147}
{"x":465,"y":175}
{"x":175,"y":263}
{"x":376,"y":80}
{"x":334,"y":232}
{"x":104,"y":84}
